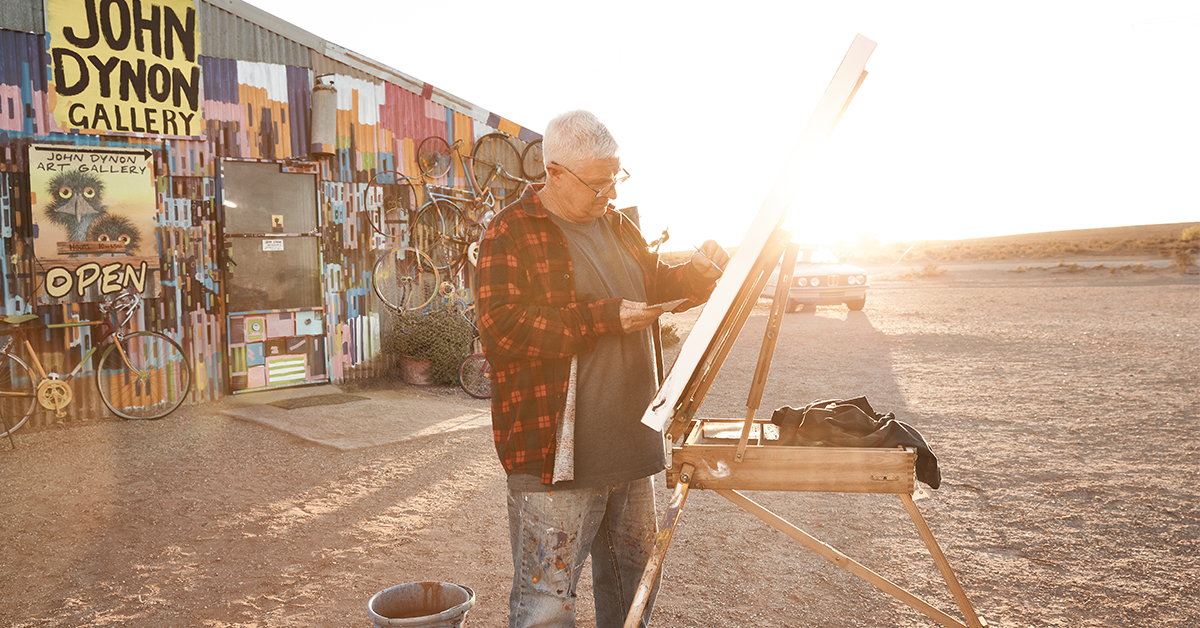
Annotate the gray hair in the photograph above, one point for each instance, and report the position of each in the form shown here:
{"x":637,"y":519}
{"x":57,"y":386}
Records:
{"x":576,"y":137}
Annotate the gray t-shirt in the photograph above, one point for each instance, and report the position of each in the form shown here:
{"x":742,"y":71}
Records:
{"x":616,"y":380}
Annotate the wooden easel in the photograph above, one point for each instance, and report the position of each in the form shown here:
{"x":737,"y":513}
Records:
{"x":706,"y":459}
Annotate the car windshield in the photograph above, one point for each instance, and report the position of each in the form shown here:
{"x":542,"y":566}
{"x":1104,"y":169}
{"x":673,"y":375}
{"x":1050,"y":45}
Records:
{"x":817,"y":255}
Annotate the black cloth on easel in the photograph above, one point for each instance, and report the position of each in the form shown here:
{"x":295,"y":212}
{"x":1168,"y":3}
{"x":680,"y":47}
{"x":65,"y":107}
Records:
{"x":854,"y":423}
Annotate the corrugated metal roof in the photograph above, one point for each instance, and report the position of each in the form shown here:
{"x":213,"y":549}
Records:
{"x":233,"y":29}
{"x":275,"y":31}
{"x":230,"y":34}
{"x":267,"y":21}
{"x":322,"y":65}
{"x":24,"y":16}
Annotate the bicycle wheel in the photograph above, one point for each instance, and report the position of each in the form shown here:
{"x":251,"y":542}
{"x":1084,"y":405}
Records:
{"x":17,"y":397}
{"x":434,"y":156}
{"x":146,"y":377}
{"x":474,"y":376}
{"x":388,"y":204}
{"x":495,"y":163}
{"x":440,"y":232}
{"x":531,"y":162}
{"x":405,"y":280}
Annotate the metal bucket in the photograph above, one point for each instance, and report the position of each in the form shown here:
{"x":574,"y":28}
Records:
{"x":421,"y":605}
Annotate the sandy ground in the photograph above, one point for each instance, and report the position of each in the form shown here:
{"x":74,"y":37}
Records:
{"x":1062,"y":404}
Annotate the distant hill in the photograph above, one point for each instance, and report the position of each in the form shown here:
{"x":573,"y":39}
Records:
{"x":1163,"y":240}
{"x":1170,"y":231}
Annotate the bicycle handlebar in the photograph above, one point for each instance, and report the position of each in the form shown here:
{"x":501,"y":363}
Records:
{"x":127,"y":302}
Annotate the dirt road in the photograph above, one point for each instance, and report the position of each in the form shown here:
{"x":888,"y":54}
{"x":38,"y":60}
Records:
{"x":1062,"y":407}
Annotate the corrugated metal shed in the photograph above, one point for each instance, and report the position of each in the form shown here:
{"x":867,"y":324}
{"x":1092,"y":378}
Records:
{"x":257,"y":76}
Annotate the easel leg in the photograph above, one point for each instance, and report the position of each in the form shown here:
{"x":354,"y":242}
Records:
{"x":840,"y":559}
{"x":943,"y":565}
{"x":661,"y":542}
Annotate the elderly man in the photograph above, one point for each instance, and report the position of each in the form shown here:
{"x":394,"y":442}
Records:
{"x":566,"y":299}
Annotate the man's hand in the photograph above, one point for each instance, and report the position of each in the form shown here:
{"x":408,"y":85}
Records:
{"x":637,"y":316}
{"x":709,"y":260}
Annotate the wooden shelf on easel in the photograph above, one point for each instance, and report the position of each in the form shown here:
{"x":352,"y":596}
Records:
{"x":773,"y":467}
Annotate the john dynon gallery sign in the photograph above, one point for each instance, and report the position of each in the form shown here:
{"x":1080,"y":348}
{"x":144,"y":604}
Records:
{"x":125,"y":66}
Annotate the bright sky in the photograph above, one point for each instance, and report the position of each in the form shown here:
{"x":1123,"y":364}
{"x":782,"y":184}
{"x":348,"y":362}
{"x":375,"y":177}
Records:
{"x":976,"y":119}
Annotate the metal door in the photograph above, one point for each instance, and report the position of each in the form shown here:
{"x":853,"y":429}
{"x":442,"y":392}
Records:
{"x":272,"y":275}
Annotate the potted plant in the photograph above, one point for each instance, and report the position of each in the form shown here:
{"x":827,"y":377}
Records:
{"x":430,"y":345}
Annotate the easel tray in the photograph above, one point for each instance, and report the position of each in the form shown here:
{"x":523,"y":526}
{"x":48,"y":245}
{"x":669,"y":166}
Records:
{"x":711,"y":447}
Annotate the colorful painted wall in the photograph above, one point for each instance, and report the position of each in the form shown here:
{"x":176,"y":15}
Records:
{"x":252,"y":111}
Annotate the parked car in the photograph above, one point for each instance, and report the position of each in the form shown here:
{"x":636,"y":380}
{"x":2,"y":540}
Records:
{"x":820,"y":279}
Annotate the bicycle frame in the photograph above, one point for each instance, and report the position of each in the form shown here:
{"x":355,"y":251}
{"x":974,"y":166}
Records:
{"x":497,"y":172}
{"x":19,"y":337}
{"x":472,"y":200}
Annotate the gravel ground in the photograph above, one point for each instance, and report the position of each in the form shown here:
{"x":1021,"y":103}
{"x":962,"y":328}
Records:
{"x":1061,"y":402}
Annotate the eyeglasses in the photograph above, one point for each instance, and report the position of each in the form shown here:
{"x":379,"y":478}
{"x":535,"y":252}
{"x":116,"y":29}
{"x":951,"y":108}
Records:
{"x":619,"y":179}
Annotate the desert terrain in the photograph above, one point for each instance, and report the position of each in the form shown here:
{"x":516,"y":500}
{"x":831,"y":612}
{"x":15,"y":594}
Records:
{"x":1061,"y":399}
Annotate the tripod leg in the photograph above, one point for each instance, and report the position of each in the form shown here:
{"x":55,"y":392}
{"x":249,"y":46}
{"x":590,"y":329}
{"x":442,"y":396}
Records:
{"x":642,"y":597}
{"x":943,"y":565}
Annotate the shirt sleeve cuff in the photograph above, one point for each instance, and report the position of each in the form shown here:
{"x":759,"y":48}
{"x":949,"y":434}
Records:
{"x":606,"y":315}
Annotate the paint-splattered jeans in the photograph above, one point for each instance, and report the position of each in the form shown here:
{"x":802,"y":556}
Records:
{"x":552,"y":534}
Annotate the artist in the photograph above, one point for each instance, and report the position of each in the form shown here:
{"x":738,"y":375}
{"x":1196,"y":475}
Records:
{"x":564,"y":286}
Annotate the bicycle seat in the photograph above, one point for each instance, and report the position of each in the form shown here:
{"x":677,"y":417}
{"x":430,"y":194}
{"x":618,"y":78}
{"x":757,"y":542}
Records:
{"x":19,"y":319}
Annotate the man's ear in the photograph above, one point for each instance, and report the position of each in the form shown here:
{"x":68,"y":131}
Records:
{"x":554,"y":170}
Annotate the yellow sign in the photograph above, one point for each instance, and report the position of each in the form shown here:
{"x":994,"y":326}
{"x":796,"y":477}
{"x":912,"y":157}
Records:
{"x":94,"y":221}
{"x":125,"y":66}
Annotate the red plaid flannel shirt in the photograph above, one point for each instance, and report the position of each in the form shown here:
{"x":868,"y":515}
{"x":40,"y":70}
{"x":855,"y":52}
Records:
{"x":531,"y":323}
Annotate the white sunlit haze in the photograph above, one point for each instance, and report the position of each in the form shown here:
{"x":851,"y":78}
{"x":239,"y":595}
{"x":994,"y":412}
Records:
{"x":975,"y":119}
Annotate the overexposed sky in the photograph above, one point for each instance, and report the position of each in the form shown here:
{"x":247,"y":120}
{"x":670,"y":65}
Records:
{"x":976,"y":119}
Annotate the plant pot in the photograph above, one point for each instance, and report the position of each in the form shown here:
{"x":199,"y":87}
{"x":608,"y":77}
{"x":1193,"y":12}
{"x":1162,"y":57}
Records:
{"x":414,"y":371}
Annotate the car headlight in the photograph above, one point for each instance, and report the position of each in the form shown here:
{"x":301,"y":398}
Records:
{"x":801,"y":281}
{"x":862,"y":279}
{"x":816,"y":281}
{"x":852,"y":280}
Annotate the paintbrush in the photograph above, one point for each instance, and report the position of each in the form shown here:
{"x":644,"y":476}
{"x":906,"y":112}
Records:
{"x":714,"y":264}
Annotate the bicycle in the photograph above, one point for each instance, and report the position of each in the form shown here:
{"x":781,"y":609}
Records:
{"x":446,"y":229}
{"x":531,"y":162}
{"x":474,"y":374}
{"x":495,"y":162}
{"x":141,"y":375}
{"x":437,"y":229}
{"x":405,"y":279}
